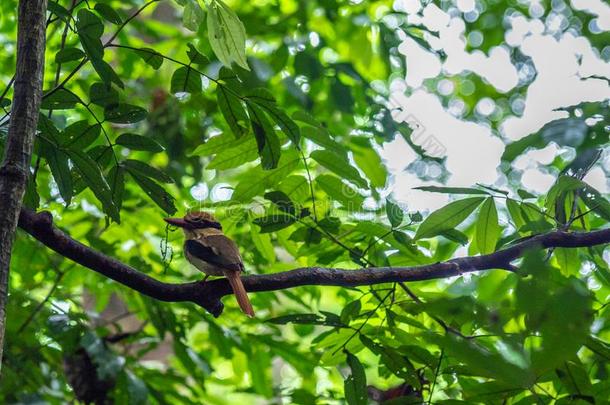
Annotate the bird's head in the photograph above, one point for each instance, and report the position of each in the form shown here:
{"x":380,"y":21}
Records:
{"x":195,"y":220}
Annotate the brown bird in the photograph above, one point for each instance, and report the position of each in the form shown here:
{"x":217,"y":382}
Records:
{"x":212,"y":252}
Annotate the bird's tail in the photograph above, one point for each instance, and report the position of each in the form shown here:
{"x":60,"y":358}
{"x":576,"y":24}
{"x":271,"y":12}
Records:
{"x":240,"y":292}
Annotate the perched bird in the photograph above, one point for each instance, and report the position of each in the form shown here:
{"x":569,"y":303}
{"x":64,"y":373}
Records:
{"x":212,"y":252}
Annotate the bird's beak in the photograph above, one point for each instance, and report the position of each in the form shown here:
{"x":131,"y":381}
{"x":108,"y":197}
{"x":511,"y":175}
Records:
{"x":180,"y":222}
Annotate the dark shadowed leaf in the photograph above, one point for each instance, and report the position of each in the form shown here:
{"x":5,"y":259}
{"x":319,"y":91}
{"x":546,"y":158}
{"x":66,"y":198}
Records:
{"x":93,"y":177}
{"x":186,"y":80}
{"x":123,"y":113}
{"x":232,"y":110}
{"x":108,"y":13}
{"x":151,"y":57}
{"x":266,"y":138}
{"x":68,"y":54}
{"x":103,"y":94}
{"x":60,"y":99}
{"x":452,"y":190}
{"x":274,"y":222}
{"x":282,"y":201}
{"x":355,"y":383}
{"x":139,"y":142}
{"x":156,"y":193}
{"x":81,"y":134}
{"x":60,"y":169}
{"x":144,"y":169}
{"x":394,"y":213}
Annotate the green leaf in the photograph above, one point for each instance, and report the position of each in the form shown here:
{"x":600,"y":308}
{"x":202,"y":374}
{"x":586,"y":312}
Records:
{"x":139,"y":142}
{"x":514,"y":209}
{"x":524,"y":194}
{"x":394,"y":212}
{"x":193,"y":15}
{"x":258,"y":180}
{"x":282,"y":201}
{"x":342,"y":96}
{"x":150,"y":57}
{"x":123,"y":113}
{"x":369,"y":161}
{"x":262,"y":243}
{"x":455,"y":236}
{"x":296,"y":187}
{"x":394,"y":361}
{"x":144,"y":169}
{"x":452,"y":190}
{"x":47,"y":128}
{"x":447,"y":217}
{"x":81,"y":134}
{"x":116,"y":180}
{"x":103,"y":94}
{"x":568,"y":260}
{"x":350,"y":311}
{"x":518,"y":147}
{"x":232,"y":110}
{"x":68,"y":55}
{"x":245,"y":151}
{"x":266,"y":138}
{"x":186,"y":80}
{"x":274,"y":222}
{"x":487,"y":227}
{"x":217,"y":144}
{"x":265,"y":100}
{"x":156,"y":193}
{"x":226,"y":34}
{"x":338,"y":165}
{"x":196,"y":57}
{"x":556,"y":194}
{"x":355,"y":384}
{"x":60,"y":99}
{"x":59,"y":10}
{"x":93,"y":177}
{"x":60,"y":169}
{"x":341,"y":192}
{"x":321,"y":136}
{"x":596,"y":202}
{"x":90,"y":30}
{"x":106,"y":73}
{"x":108,"y":13}
{"x":304,"y":319}
{"x":102,"y":155}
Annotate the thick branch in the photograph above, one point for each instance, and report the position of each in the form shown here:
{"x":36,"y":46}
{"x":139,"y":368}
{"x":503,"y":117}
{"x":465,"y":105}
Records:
{"x":22,"y":129}
{"x":208,"y":294}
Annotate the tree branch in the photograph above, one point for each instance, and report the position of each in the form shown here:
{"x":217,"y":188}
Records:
{"x":208,"y":295}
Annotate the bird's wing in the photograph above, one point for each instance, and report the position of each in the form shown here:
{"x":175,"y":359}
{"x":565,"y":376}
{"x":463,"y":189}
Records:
{"x":217,"y":250}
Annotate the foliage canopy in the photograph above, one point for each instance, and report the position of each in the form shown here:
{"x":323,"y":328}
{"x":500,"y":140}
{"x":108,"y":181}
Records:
{"x":273,"y":115}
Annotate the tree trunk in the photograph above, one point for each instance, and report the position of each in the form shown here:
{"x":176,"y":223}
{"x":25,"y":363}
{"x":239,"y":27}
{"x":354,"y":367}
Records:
{"x":15,"y":168}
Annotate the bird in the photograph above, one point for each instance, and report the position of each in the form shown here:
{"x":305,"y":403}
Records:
{"x":208,"y":249}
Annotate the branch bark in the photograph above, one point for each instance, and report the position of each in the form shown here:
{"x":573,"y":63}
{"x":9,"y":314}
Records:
{"x":208,"y":295}
{"x":22,"y":130}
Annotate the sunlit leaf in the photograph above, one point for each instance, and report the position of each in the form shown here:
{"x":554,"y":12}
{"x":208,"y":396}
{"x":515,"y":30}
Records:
{"x":448,"y":217}
{"x":226,"y":34}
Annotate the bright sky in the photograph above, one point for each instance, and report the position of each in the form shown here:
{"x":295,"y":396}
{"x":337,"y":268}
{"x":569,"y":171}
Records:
{"x":472,"y":149}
